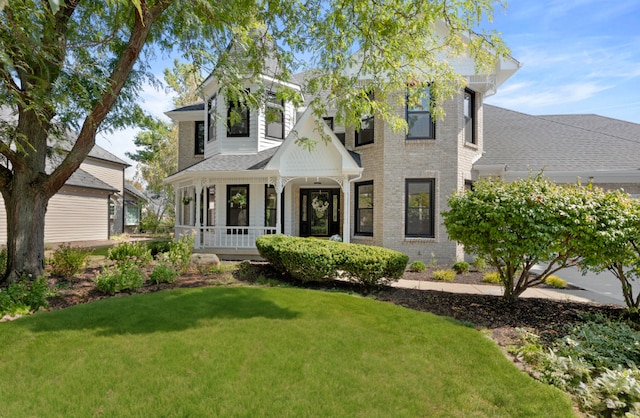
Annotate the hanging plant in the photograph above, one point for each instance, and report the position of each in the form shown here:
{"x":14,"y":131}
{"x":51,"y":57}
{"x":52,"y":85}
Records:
{"x":186,"y":200}
{"x":238,"y":199}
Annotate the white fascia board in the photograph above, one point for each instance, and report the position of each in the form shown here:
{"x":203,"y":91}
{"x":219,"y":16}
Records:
{"x":185,"y":116}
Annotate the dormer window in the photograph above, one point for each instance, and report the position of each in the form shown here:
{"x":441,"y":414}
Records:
{"x":237,"y":119}
{"x":211,"y":118}
{"x":199,"y":138}
{"x":274,"y":116}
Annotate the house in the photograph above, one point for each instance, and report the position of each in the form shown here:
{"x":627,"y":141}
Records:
{"x":94,"y":203}
{"x":246,"y":176}
{"x":566,"y":148}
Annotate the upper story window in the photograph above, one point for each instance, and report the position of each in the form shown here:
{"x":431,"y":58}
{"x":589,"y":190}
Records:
{"x":275,"y":116}
{"x":237,"y":119}
{"x":419,"y":210}
{"x":419,"y":120}
{"x":199,"y":138}
{"x":211,"y":117}
{"x":470,"y":116}
{"x":338,"y":131}
{"x":364,"y":135}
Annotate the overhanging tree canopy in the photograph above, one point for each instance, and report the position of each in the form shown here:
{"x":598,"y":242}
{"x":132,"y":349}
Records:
{"x":80,"y":64}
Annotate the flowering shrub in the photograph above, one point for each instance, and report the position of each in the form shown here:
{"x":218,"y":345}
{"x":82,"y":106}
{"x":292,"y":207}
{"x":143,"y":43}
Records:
{"x":164,"y":272}
{"x":130,"y":249}
{"x":67,"y":260}
{"x":126,"y":274}
{"x":180,"y":252}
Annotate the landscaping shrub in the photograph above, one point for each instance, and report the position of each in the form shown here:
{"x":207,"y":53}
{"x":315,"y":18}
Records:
{"x":309,"y":259}
{"x":479,"y":263}
{"x":596,"y":362}
{"x":460,"y":267}
{"x":68,"y":261}
{"x":158,"y":247}
{"x":124,"y":275}
{"x":180,"y":252}
{"x":3,"y":260}
{"x":555,"y":281}
{"x":444,"y":275}
{"x":417,"y":267}
{"x":126,"y":250}
{"x":163,"y":273}
{"x":493,"y":278}
{"x":24,"y":296}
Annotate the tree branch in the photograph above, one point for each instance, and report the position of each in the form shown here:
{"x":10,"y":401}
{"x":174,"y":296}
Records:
{"x":118,"y":77}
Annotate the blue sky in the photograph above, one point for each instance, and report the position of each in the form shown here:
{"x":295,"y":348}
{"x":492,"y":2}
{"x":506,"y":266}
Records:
{"x":578,"y":56}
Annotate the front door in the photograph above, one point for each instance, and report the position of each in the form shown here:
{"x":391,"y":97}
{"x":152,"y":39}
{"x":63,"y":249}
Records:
{"x":319,"y":212}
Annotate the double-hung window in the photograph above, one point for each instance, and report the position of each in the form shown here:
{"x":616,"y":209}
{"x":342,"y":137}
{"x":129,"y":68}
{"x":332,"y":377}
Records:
{"x":211,"y":118}
{"x":275,"y":116}
{"x":364,"y":135}
{"x":364,"y":208}
{"x":199,"y":138}
{"x":469,"y":116}
{"x":338,"y":130}
{"x":419,"y":208}
{"x":237,"y":119}
{"x":419,"y":120}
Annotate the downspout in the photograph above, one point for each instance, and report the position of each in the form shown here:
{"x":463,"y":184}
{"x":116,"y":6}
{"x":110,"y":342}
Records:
{"x":109,"y":216}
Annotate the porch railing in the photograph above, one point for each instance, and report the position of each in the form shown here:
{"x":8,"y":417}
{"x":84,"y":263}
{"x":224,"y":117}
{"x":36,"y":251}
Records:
{"x":235,"y":237}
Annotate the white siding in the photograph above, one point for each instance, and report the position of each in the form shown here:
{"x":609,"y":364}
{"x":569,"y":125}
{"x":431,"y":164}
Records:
{"x":72,"y":215}
{"x":113,"y":175}
{"x":76,"y":216}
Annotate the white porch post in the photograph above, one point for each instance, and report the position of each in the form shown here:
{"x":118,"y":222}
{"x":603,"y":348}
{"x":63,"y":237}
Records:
{"x":346,"y":222}
{"x":279,"y":187}
{"x":176,"y":198}
{"x":198,"y":220}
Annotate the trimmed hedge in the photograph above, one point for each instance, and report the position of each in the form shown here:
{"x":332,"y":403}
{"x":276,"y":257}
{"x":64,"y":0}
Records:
{"x":312,"y":259}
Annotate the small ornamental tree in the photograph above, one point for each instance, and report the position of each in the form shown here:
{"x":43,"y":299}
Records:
{"x":615,"y":243}
{"x":518,"y":225}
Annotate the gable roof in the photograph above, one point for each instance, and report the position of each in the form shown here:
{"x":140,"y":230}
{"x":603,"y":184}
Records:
{"x":327,"y":158}
{"x":558,"y":143}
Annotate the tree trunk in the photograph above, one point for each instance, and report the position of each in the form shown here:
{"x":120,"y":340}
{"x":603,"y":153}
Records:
{"x":26,"y":205}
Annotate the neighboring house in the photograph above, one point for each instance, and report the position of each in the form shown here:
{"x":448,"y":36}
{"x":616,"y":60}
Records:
{"x":91,"y":204}
{"x":566,"y":148}
{"x":133,"y":201}
{"x":237,"y":181}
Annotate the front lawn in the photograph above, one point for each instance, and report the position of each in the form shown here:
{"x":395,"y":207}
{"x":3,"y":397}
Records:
{"x":249,"y":352}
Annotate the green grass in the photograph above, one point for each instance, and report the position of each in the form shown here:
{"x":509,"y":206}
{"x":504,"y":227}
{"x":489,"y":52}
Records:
{"x":258,"y":352}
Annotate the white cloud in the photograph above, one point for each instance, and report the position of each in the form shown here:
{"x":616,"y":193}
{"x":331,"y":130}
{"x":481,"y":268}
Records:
{"x":530,"y":98}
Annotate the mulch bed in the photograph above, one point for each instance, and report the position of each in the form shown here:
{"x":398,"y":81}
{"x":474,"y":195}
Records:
{"x":547,"y":318}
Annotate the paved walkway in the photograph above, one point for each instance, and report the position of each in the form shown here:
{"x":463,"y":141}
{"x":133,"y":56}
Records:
{"x":574,"y":295}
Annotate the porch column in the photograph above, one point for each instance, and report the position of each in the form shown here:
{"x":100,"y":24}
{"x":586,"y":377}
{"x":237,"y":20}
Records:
{"x":198,"y":220}
{"x":346,"y":222}
{"x":177,"y":199}
{"x":279,"y":188}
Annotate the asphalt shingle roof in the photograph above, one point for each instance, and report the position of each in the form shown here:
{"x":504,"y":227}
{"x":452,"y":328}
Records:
{"x":225,"y":162}
{"x":559,"y":142}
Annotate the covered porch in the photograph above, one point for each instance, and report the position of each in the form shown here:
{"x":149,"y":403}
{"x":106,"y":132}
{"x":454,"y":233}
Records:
{"x":229,"y":200}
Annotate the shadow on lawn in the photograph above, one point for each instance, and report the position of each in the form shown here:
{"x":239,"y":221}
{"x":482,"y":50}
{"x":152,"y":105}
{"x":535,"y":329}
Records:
{"x":164,"y":311}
